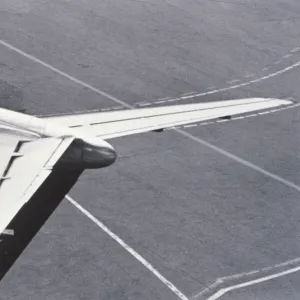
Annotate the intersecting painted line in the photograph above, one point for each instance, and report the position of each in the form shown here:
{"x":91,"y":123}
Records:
{"x":223,"y":291}
{"x":295,"y":50}
{"x":248,"y":164}
{"x":238,"y":118}
{"x":214,"y":90}
{"x":247,"y":83}
{"x":108,"y":96}
{"x":287,"y":56}
{"x":222,"y":280}
{"x":136,"y":255}
{"x":125,"y":104}
{"x":64,"y":74}
{"x":241,"y":160}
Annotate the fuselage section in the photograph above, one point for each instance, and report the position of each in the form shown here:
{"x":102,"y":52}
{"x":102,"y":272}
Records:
{"x":87,"y":151}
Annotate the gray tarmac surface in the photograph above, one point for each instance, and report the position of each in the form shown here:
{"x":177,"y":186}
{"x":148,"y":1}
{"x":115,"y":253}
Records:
{"x":193,"y":213}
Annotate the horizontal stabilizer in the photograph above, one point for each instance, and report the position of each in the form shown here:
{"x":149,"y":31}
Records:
{"x":107,"y":125}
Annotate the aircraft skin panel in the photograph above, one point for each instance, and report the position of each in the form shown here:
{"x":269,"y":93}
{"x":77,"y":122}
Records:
{"x":25,"y":171}
{"x":32,"y":216}
{"x":8,"y":144}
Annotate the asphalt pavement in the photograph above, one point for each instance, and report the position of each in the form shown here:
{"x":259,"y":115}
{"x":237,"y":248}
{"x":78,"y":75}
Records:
{"x":195,"y":214}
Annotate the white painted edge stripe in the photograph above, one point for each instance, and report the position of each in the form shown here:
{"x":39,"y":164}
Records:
{"x":222,"y":280}
{"x":295,"y":50}
{"x":62,"y":73}
{"x":266,"y":173}
{"x":165,"y":98}
{"x":125,"y":104}
{"x":190,"y":93}
{"x":233,"y":81}
{"x":247,"y":83}
{"x":241,"y":161}
{"x":223,"y":291}
{"x":136,"y":255}
{"x":211,"y":88}
{"x":237,"y":118}
{"x":145,"y":104}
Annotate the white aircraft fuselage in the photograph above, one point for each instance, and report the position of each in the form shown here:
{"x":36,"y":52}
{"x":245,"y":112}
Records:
{"x":86,"y":152}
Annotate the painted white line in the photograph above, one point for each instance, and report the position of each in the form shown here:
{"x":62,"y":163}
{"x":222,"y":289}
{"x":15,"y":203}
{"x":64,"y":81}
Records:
{"x":223,"y":291}
{"x":126,"y":105}
{"x":233,"y":81}
{"x":210,"y":92}
{"x":286,"y":263}
{"x":165,"y":98}
{"x":201,"y":94}
{"x":254,"y":272}
{"x":287,"y":56}
{"x":206,"y":123}
{"x":238,"y":118}
{"x":264,"y":113}
{"x":175,"y":99}
{"x":277,"y":62}
{"x":257,"y":80}
{"x":136,"y":255}
{"x":222,"y":121}
{"x":181,"y":98}
{"x":159,"y":102}
{"x":145,"y":104}
{"x":222,"y":280}
{"x":242,"y":161}
{"x":64,"y":74}
{"x":191,"y":125}
{"x":190,"y":93}
{"x":295,"y":105}
{"x":271,"y":75}
{"x":295,"y":50}
{"x":209,"y":288}
{"x":211,"y":88}
{"x":171,"y":286}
